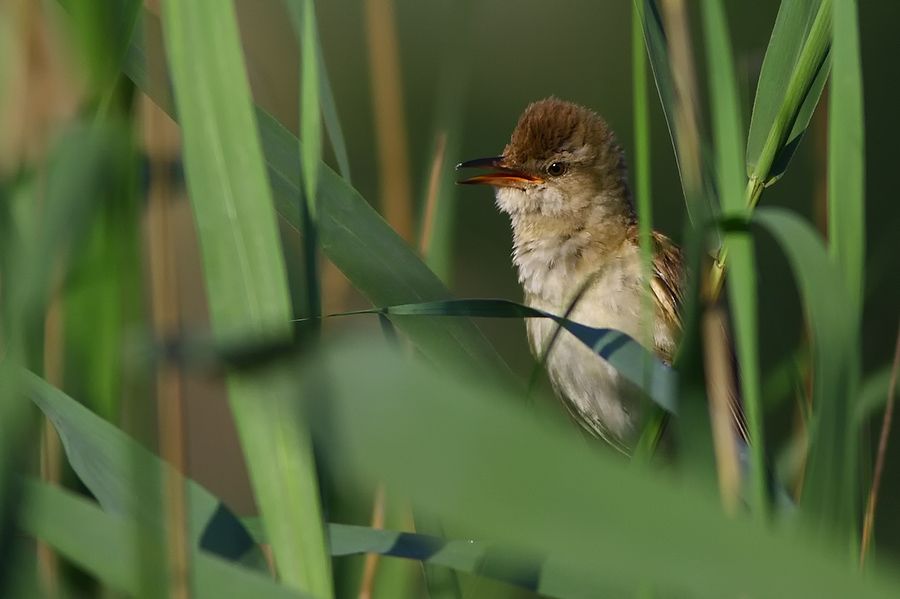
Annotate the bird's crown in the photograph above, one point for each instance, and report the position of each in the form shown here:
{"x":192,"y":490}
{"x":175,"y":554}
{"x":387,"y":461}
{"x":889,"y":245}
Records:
{"x":552,"y":126}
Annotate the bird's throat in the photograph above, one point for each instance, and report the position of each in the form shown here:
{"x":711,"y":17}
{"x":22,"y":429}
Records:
{"x":555,"y":254}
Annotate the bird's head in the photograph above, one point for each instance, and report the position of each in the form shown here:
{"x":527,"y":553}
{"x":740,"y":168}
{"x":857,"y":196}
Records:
{"x":562,"y":160}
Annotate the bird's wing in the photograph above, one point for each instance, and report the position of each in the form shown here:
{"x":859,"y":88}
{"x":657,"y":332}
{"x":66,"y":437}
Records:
{"x":667,"y":285}
{"x":668,"y":292}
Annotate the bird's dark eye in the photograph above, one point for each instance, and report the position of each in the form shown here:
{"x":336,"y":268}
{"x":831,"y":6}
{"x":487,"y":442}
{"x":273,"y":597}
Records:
{"x":555,"y":169}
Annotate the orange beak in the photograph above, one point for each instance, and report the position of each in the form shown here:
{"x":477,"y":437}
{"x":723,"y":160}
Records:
{"x":501,"y":177}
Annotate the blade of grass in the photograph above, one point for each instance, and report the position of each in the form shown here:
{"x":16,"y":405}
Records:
{"x":800,"y":95}
{"x":356,"y":239}
{"x":471,"y":447}
{"x":643,"y":194}
{"x":99,"y":453}
{"x":314,"y":79}
{"x":830,"y":483}
{"x":872,"y":501}
{"x":624,"y":353}
{"x":793,"y":75}
{"x":102,"y":31}
{"x":108,"y":461}
{"x":46,"y":218}
{"x":330,"y":116}
{"x":677,"y":105}
{"x":304,"y":18}
{"x":786,"y":97}
{"x":245,"y":277}
{"x":846,"y":155}
{"x":729,"y":142}
{"x":103,"y":544}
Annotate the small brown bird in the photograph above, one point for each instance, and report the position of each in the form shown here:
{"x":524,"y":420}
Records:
{"x":562,"y":179}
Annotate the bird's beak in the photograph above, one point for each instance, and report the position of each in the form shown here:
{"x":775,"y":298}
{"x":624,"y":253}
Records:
{"x":501,"y":177}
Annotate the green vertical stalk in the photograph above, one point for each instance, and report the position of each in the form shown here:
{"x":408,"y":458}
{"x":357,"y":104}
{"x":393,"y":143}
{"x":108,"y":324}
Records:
{"x":303,"y":16}
{"x":729,"y":144}
{"x":245,"y":277}
{"x":846,"y":154}
{"x":642,"y":195}
{"x":802,"y":86}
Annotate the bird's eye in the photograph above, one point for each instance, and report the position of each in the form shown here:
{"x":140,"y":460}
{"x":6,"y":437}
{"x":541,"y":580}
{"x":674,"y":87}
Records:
{"x":555,"y":169}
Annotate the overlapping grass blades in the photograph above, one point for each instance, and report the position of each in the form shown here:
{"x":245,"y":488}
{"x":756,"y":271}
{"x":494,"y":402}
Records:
{"x":793,"y":75}
{"x":629,"y":357}
{"x":245,"y":276}
{"x":846,"y":155}
{"x":70,"y":523}
{"x":729,"y":142}
{"x":701,"y":203}
{"x":596,"y":517}
{"x":358,"y":241}
{"x":113,"y":466}
{"x":829,"y":491}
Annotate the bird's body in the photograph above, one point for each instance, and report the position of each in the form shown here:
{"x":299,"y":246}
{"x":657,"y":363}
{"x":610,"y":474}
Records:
{"x":563,"y":182}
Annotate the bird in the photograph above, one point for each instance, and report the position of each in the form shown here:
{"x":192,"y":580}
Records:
{"x":563,"y":182}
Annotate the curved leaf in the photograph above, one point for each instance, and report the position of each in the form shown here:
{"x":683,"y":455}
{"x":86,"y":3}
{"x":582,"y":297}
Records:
{"x":106,"y":460}
{"x":830,"y":480}
{"x":244,"y":273}
{"x":793,"y":75}
{"x":112,"y":549}
{"x":354,"y":237}
{"x":624,"y":353}
{"x":115,"y":468}
{"x":482,"y":460}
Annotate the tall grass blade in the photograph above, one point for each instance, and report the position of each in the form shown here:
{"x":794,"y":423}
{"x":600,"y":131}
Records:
{"x":729,"y":143}
{"x":793,"y":74}
{"x":846,"y":155}
{"x":304,"y":18}
{"x":102,"y":31}
{"x":109,"y":462}
{"x":315,"y":82}
{"x":101,"y":298}
{"x":643,"y":195}
{"x":103,"y":544}
{"x":880,"y":457}
{"x":41,"y":226}
{"x":696,"y":180}
{"x":245,"y":277}
{"x":451,"y":445}
{"x":106,"y":460}
{"x":357,"y":240}
{"x":829,"y":492}
{"x":625,"y":354}
{"x":331,"y":118}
